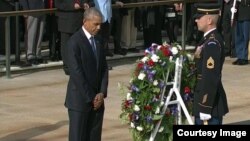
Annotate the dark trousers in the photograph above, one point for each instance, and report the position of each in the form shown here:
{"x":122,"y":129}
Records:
{"x":212,"y":121}
{"x":104,"y":33}
{"x":53,"y":35}
{"x":152,"y":25}
{"x":190,"y":21}
{"x":86,"y":125}
{"x":227,"y":30}
{"x":242,"y":39}
{"x":152,"y":35}
{"x":116,"y":28}
{"x":170,"y":28}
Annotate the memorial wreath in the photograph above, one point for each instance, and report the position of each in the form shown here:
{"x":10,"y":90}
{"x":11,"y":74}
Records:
{"x":145,"y":94}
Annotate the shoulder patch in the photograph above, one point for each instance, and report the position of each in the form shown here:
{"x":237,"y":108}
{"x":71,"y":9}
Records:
{"x":210,"y":63}
{"x":212,"y":43}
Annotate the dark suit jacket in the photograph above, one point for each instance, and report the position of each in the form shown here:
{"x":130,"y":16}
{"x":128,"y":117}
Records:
{"x":87,"y":77}
{"x":243,"y":11}
{"x":69,"y":19}
{"x":32,"y":5}
{"x":210,"y":97}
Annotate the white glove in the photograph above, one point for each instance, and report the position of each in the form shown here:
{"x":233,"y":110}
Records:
{"x":204,"y":116}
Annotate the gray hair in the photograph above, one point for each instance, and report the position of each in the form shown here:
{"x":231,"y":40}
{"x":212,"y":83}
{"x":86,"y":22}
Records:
{"x":90,"y":13}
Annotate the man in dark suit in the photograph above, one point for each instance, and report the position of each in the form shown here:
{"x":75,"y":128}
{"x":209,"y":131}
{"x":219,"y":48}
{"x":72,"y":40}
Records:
{"x":69,"y":21}
{"x":88,"y":81}
{"x":210,"y":102}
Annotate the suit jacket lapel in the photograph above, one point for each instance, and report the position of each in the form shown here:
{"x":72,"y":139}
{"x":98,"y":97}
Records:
{"x":98,"y":45}
{"x":89,"y":47}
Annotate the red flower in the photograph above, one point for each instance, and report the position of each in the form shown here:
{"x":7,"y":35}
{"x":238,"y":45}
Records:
{"x":148,"y":107}
{"x":126,"y":104}
{"x":187,"y":90}
{"x":151,"y":62}
{"x":140,"y":65}
{"x":166,"y":52}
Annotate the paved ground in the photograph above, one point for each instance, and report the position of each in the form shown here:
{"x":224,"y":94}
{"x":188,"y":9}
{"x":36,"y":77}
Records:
{"x":31,"y":104}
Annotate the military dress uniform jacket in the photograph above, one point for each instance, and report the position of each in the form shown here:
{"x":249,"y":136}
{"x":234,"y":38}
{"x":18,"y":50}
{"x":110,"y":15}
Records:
{"x":209,"y":96}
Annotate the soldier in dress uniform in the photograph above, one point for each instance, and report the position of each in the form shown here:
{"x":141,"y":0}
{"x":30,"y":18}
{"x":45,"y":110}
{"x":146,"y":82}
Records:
{"x":210,"y":102}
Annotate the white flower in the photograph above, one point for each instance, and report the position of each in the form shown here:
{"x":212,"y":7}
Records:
{"x":164,"y":63}
{"x":154,"y":44}
{"x":162,"y":103}
{"x":144,"y":59}
{"x":147,"y":51}
{"x":155,"y":83}
{"x":165,"y":44}
{"x":129,"y":96}
{"x":155,"y":58}
{"x":159,"y":47}
{"x":132,"y":125}
{"x":161,"y":129}
{"x":136,"y":108}
{"x":157,"y":111}
{"x":170,"y":58}
{"x":141,"y":76}
{"x":190,"y":57}
{"x":174,"y":50}
{"x":179,"y":47}
{"x":139,"y":128}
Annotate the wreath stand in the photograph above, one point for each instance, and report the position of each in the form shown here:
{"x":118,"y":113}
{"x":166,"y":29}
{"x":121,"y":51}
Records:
{"x":175,"y":89}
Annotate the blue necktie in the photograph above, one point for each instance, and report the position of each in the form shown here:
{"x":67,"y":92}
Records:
{"x":92,"y":40}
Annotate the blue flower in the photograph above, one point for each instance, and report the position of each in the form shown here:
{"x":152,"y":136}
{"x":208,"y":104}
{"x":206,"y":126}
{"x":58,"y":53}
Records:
{"x":134,"y":88}
{"x":149,"y":119}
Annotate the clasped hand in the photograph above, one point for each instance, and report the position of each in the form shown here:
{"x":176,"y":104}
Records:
{"x":98,"y":101}
{"x":78,"y":6}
